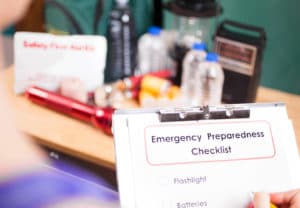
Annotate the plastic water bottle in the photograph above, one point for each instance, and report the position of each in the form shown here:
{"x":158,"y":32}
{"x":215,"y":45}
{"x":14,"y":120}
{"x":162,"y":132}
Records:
{"x":210,"y":78}
{"x":190,"y":66}
{"x":121,"y":37}
{"x":152,"y":51}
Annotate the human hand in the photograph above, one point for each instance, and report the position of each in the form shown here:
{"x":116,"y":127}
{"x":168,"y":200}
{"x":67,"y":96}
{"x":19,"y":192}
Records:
{"x":290,"y":199}
{"x":260,"y":200}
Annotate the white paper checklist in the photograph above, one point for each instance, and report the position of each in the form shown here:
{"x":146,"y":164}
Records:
{"x":204,"y":162}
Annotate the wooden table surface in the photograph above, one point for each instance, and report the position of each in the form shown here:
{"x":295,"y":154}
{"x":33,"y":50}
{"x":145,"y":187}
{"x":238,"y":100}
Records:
{"x":86,"y":142}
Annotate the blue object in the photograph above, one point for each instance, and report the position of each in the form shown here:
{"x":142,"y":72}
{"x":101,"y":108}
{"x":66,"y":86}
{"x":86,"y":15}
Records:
{"x":153,"y":30}
{"x":46,"y":187}
{"x":212,"y":57}
{"x":199,"y":46}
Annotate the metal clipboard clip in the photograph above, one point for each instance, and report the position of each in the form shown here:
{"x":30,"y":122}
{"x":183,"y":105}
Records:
{"x":204,"y":113}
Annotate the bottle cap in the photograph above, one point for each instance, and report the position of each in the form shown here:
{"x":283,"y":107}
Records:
{"x":153,"y":30}
{"x":199,"y":46}
{"x":212,"y":57}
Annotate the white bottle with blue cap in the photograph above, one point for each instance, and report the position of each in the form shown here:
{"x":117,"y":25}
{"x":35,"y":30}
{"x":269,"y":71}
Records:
{"x":190,"y":66}
{"x":210,"y":79}
{"x":152,"y":51}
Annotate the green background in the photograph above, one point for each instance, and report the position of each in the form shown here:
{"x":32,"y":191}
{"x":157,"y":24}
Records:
{"x":280,"y":19}
{"x":83,"y":12}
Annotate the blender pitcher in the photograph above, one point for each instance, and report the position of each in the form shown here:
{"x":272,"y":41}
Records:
{"x":193,"y":20}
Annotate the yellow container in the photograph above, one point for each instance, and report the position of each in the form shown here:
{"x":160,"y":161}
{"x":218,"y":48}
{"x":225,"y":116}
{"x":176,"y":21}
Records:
{"x":155,"y":85}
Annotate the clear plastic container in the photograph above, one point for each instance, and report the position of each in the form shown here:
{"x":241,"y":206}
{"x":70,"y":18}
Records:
{"x":210,"y":78}
{"x":191,"y":63}
{"x":192,"y":29}
{"x":189,"y":30}
{"x":152,"y":52}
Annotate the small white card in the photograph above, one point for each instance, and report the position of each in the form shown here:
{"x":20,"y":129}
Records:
{"x":204,"y":163}
{"x":44,"y":60}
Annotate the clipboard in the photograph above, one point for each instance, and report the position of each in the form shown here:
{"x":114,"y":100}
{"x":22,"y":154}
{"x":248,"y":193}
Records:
{"x":211,"y":156}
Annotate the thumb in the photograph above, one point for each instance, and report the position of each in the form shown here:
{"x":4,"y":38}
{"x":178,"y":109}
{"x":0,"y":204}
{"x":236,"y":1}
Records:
{"x":261,"y":200}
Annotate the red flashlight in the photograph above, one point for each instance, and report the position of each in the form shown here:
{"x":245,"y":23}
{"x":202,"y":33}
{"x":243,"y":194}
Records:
{"x":99,"y":117}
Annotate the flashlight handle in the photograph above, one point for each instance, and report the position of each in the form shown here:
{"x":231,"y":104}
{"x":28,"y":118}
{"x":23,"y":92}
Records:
{"x":99,"y":117}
